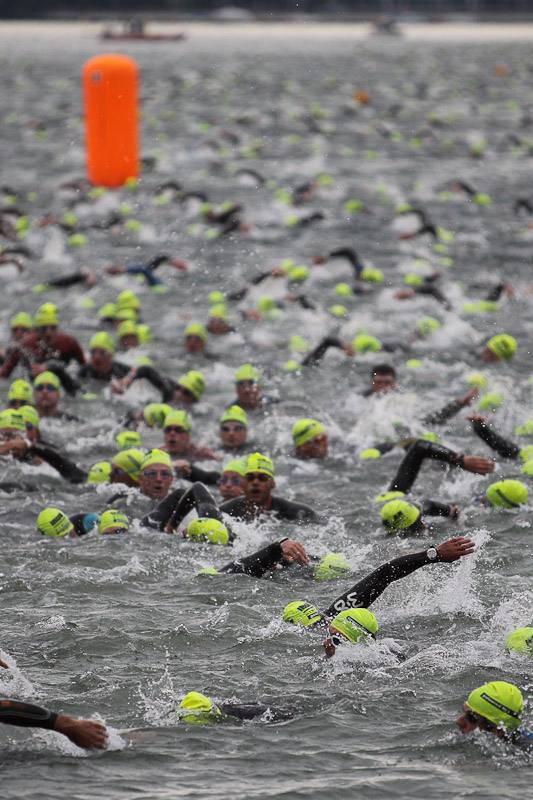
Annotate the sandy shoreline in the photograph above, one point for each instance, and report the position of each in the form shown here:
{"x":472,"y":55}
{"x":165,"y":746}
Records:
{"x":304,"y":30}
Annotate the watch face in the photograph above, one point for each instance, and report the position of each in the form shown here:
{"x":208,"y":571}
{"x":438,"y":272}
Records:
{"x":431,"y":553}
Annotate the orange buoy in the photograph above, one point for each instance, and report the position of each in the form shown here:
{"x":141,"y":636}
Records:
{"x":110,"y":91}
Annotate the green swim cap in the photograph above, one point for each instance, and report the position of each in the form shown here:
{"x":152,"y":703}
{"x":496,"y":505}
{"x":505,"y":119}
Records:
{"x":102,"y":341}
{"x":216,"y":297}
{"x":426,"y":326}
{"x":236,"y":465}
{"x":477,"y":379}
{"x":298,"y":274}
{"x":343,"y":290}
{"x":9,"y":418}
{"x":207,"y":571}
{"x":20,"y":390}
{"x":357,"y":624}
{"x":125,"y":314}
{"x":412,"y":279}
{"x":194,"y":381}
{"x":219,"y":311}
{"x":299,"y":612}
{"x":100,"y":472}
{"x":178,"y":418}
{"x":429,"y":436}
{"x":235,"y":414}
{"x":48,"y":377}
{"x":156,"y":457}
{"x":338,"y":311}
{"x":29,"y":414}
{"x":527,"y":468}
{"x":330,"y":567}
{"x":207,"y":529}
{"x":127,"y":328}
{"x":491,"y":401}
{"x":499,"y":702}
{"x":372,"y":275}
{"x":46,"y":315}
{"x":520,"y":640}
{"x":128,"y":299}
{"x":247,"y":373}
{"x":292,"y":366}
{"x":364,"y":343}
{"x":113,"y":519}
{"x":107,"y":311}
{"x":306,"y":429}
{"x":526,"y":429}
{"x":154,"y":414}
{"x":130,"y":461}
{"x":397,"y":515}
{"x":144,"y":333}
{"x":198,"y":709}
{"x":413,"y":363}
{"x":503,"y":346}
{"x":386,"y":496}
{"x":21,"y":320}
{"x":298,"y":344}
{"x":53,"y":522}
{"x":196,"y":329}
{"x":370,"y":452}
{"x":507,"y":494}
{"x":256,"y":462}
{"x":266,"y":303}
{"x":128,"y":439}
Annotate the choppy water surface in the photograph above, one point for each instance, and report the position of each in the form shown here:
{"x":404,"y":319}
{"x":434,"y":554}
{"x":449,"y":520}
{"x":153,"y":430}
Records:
{"x":118,"y":626}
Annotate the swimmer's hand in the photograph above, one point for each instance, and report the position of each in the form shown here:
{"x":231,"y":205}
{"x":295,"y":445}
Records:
{"x":295,"y":551}
{"x":478,"y":419}
{"x":36,"y":369}
{"x":466,"y":400}
{"x":182,"y":466}
{"x":179,"y":264}
{"x":15,"y":447}
{"x":454,"y":549}
{"x":348,"y":349}
{"x":119,"y":385}
{"x":115,"y":269}
{"x":320,"y":259}
{"x":403,"y":294}
{"x":3,"y":664}
{"x":82,"y":732}
{"x":478,"y":464}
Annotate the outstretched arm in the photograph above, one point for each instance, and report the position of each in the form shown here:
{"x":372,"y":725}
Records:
{"x":82,"y":732}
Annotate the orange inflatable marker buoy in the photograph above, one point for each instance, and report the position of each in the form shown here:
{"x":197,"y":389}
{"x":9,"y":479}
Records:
{"x":111,"y":110}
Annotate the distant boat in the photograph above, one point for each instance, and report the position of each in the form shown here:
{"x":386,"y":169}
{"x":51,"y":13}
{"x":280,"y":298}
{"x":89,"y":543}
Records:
{"x":134,"y":31}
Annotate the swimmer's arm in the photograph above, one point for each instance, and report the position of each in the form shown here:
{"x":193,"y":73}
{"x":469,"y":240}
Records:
{"x":209,"y":477}
{"x":451,"y":409}
{"x":504,"y":447}
{"x":432,"y":508}
{"x":266,"y":559}
{"x":147,"y":273}
{"x":316,"y":355}
{"x":66,"y":468}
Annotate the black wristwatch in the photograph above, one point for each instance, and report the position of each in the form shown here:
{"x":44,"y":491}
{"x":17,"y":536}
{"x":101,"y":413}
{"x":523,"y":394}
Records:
{"x":431,"y":553}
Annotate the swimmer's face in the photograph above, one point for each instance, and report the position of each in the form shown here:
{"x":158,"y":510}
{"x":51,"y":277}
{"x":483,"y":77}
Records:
{"x":471,"y":721}
{"x":32,"y":432}
{"x":249,"y":393}
{"x":46,"y":398}
{"x":101,"y":360}
{"x":194,"y":344}
{"x":155,"y":480}
{"x":488,"y":357}
{"x":183,"y":396}
{"x":218,"y":326}
{"x":232,"y":434}
{"x":258,"y":487}
{"x":316,"y":448}
{"x":18,"y":333}
{"x":177,"y":440}
{"x":10,"y":434}
{"x":230,"y":484}
{"x":333,"y":640}
{"x":383,"y":383}
{"x":130,"y":340}
{"x":47,"y":334}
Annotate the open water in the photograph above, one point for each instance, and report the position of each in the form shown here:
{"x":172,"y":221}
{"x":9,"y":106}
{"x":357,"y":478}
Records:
{"x":118,"y":626}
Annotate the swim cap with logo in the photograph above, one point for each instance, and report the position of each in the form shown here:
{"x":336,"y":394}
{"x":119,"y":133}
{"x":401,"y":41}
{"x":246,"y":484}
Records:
{"x":503,"y":346}
{"x":507,"y":494}
{"x":207,"y":529}
{"x":156,"y":457}
{"x":21,"y":320}
{"x":154,"y":414}
{"x":357,"y":624}
{"x":235,"y":414}
{"x":521,"y":640}
{"x":196,"y":329}
{"x":330,"y":567}
{"x":128,"y":299}
{"x":179,"y":418}
{"x":194,"y":381}
{"x":54,"y":522}
{"x":46,"y":315}
{"x":499,"y":702}
{"x":113,"y":519}
{"x":247,"y":373}
{"x":256,"y":462}
{"x":386,"y":496}
{"x":306,"y":429}
{"x":130,"y":461}
{"x":11,"y":419}
{"x":397,"y":515}
{"x":29,"y":415}
{"x":48,"y":377}
{"x":300,"y":612}
{"x":100,"y":472}
{"x":102,"y":341}
{"x":197,"y":709}
{"x":20,"y":390}
{"x":128,"y":439}
{"x":364,"y":343}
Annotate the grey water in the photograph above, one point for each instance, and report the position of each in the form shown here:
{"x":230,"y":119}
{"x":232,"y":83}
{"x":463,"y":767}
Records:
{"x":119,"y":627}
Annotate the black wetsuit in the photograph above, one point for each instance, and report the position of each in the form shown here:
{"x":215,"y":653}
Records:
{"x":258,"y":563}
{"x":504,"y":447}
{"x":167,"y":386}
{"x":26,"y":715}
{"x":279,"y":507}
{"x":66,"y":468}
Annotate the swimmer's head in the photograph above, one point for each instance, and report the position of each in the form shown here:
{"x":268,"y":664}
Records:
{"x":128,"y":439}
{"x":113,"y":521}
{"x":100,"y":472}
{"x":154,"y":414}
{"x":299,"y":612}
{"x":521,"y":641}
{"x":399,"y":515}
{"x":19,"y":393}
{"x":208,"y":530}
{"x":356,"y":625}
{"x":235,"y":414}
{"x":102,"y":341}
{"x":247,"y":373}
{"x":191,"y":387}
{"x":258,"y":463}
{"x":108,"y":312}
{"x":20,"y":325}
{"x":426,"y":326}
{"x":502,"y":346}
{"x":177,"y":419}
{"x":54,"y":522}
{"x":46,"y":316}
{"x":310,"y":439}
{"x":197,"y":709}
{"x":499,"y":703}
{"x":507,"y":494}
{"x":126,"y":466}
{"x":331,"y":567}
{"x":12,"y":425}
{"x":127,"y":299}
{"x":365,"y":343}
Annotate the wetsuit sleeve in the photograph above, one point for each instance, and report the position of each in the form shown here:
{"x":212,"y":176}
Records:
{"x":66,"y":468}
{"x":210,"y":477}
{"x":70,"y":384}
{"x":496,"y":292}
{"x":258,"y":563}
{"x":76,"y":352}
{"x":502,"y":446}
{"x":432,"y":291}
{"x":162,"y":513}
{"x":432,"y":508}
{"x":246,"y":711}
{"x":296,"y":512}
{"x":316,"y":355}
{"x":165,"y":385}
{"x":351,"y":255}
{"x":147,"y":273}
{"x":12,"y":486}
{"x":367,"y":590}
{"x":119,"y":370}
{"x":414,"y":458}
{"x":67,"y":280}
{"x":26,"y":715}
{"x":445,"y":413}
